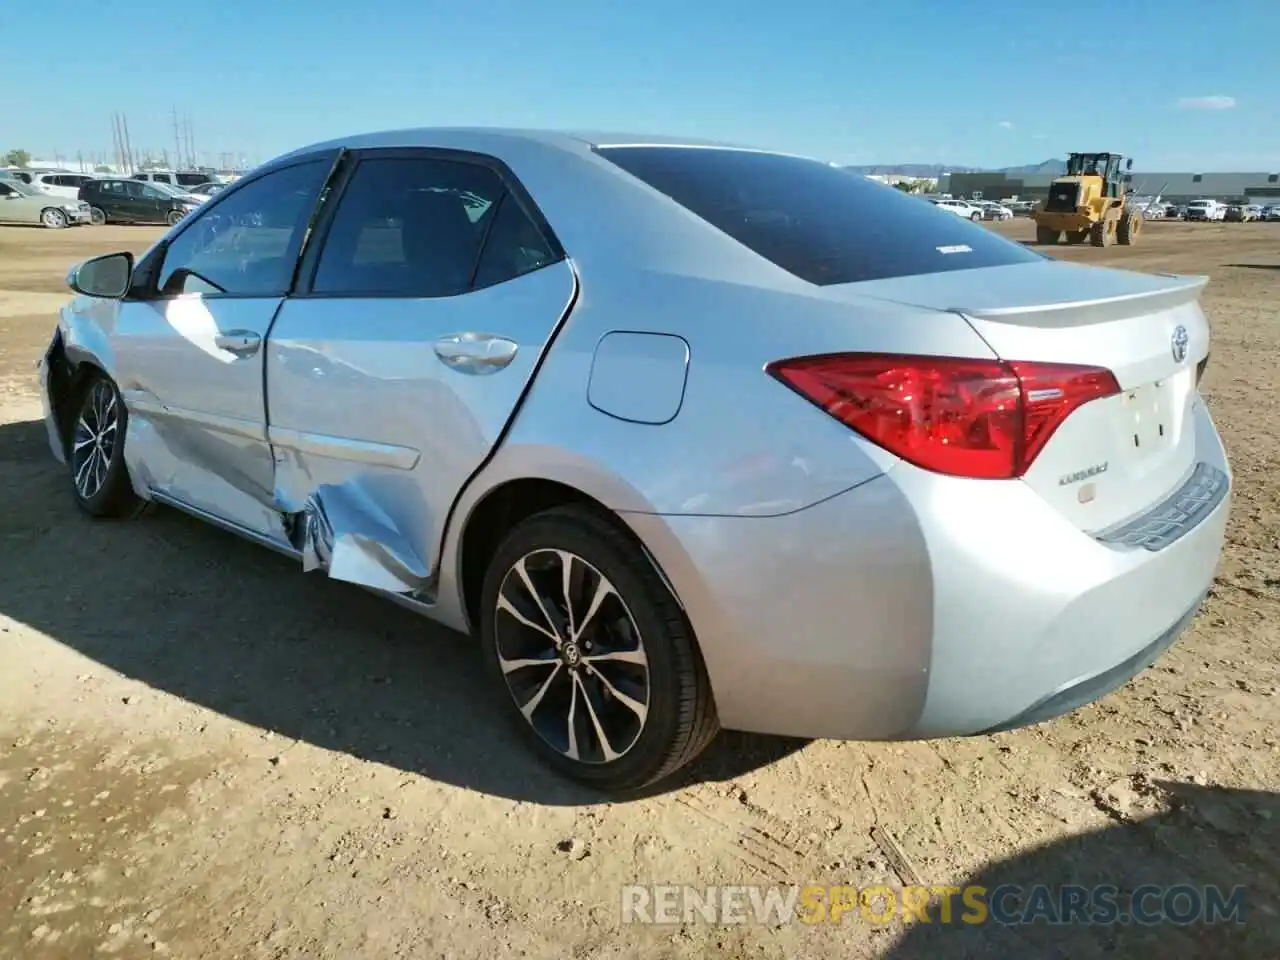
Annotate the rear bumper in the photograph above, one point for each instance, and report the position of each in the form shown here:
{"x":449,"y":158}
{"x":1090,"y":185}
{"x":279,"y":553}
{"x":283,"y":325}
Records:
{"x":916,"y":606}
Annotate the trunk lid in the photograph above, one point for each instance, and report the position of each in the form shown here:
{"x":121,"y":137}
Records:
{"x":1112,"y":458}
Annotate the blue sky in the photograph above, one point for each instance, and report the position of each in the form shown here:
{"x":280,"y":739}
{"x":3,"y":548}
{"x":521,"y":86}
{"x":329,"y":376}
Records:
{"x":992,"y":83}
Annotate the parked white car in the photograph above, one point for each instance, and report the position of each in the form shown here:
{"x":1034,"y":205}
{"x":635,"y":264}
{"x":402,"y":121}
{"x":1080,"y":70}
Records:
{"x":995,"y":211}
{"x":961,"y":208}
{"x":1205,"y":210}
{"x":60,"y":184}
{"x":1271,"y":213}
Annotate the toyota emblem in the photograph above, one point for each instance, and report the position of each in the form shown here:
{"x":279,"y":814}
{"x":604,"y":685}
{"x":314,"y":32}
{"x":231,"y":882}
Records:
{"x":1179,"y":343}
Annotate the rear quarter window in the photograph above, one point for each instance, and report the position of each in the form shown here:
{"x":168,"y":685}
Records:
{"x":820,"y":223}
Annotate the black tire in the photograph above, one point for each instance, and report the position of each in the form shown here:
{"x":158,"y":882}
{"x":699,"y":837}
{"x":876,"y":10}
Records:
{"x":1046,"y":236}
{"x":975,"y":217}
{"x":680,"y":718}
{"x":97,"y":216}
{"x":1077,"y":236}
{"x":1127,"y":229}
{"x":110,"y":494}
{"x":173,"y":217}
{"x":1100,"y":234}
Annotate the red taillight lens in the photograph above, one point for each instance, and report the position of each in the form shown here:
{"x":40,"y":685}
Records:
{"x":965,"y":418}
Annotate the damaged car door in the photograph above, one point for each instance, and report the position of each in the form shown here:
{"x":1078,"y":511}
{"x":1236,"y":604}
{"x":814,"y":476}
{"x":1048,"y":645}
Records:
{"x":189,"y":347}
{"x":421,"y":309}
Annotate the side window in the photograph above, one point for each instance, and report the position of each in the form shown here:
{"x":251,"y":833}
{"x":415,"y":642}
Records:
{"x":247,"y":243}
{"x":408,"y":227}
{"x":5,"y":191}
{"x":151,"y":193}
{"x":514,"y":246}
{"x":134,"y":189}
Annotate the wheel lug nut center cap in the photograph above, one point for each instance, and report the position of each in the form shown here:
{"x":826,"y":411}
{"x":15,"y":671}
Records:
{"x":571,"y":655}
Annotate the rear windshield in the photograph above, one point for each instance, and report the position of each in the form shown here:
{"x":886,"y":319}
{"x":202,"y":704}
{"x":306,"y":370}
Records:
{"x":821,"y":223}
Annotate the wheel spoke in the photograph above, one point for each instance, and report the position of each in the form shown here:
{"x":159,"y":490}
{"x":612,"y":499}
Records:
{"x":100,"y":471}
{"x":632,"y":704}
{"x":606,"y":747}
{"x":572,"y":751}
{"x":82,"y":472}
{"x":604,"y":589}
{"x":522,"y":571}
{"x":532,"y":703}
{"x":636,"y":657}
{"x":508,"y":607}
{"x":566,"y":586}
{"x":83,"y":430}
{"x":519,"y":663}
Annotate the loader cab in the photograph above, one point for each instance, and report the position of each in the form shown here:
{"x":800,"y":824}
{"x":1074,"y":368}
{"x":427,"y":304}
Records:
{"x":1103,"y":165}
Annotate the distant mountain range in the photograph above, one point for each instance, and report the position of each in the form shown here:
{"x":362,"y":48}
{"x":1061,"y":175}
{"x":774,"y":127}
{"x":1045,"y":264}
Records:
{"x":934,"y":170}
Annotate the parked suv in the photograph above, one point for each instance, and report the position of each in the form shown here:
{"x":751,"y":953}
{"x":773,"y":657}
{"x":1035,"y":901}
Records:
{"x":182,"y":178}
{"x":132,"y":201}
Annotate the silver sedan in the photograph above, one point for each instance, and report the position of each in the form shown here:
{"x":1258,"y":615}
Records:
{"x":20,"y":203}
{"x":687,"y":435}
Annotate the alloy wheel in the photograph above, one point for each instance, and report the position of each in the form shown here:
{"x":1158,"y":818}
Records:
{"x":572,"y":656}
{"x":53,"y":219}
{"x":95,"y":439}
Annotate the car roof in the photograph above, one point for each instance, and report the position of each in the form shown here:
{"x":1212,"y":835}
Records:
{"x":492,"y":139}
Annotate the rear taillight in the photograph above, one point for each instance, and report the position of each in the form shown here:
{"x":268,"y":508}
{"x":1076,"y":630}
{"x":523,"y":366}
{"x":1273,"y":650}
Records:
{"x":965,"y":418}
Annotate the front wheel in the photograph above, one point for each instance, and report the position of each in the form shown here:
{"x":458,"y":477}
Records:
{"x":975,"y":217}
{"x":97,"y":216}
{"x":53,"y":218}
{"x":173,"y":217}
{"x":95,"y":453}
{"x":597,"y":659}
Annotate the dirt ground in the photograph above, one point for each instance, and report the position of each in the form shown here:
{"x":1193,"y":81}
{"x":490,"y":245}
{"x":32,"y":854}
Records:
{"x":206,"y":754}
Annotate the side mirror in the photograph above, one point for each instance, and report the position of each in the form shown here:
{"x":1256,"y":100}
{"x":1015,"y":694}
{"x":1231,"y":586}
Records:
{"x":1128,"y":164}
{"x":107,"y":276}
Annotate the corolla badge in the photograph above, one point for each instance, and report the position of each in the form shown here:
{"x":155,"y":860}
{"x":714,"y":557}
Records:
{"x":1179,"y":343}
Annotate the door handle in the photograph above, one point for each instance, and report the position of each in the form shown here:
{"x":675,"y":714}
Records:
{"x":476,"y":353}
{"x":243,"y":343}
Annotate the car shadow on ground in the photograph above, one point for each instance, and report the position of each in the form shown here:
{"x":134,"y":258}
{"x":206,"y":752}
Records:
{"x":1254,"y":266}
{"x":1208,"y":846}
{"x":203,"y":615}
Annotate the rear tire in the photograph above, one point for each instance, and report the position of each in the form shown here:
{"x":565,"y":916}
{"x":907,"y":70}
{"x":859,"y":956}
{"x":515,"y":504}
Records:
{"x":97,"y":216}
{"x":173,"y":217}
{"x":631,"y":669}
{"x":1046,"y":236}
{"x":95,"y":451}
{"x":975,"y":217}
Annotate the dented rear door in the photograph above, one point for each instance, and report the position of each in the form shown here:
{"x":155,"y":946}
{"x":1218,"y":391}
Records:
{"x":432,"y":292}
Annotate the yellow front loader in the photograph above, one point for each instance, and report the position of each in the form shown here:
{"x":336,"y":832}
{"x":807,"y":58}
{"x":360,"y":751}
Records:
{"x":1089,"y":203}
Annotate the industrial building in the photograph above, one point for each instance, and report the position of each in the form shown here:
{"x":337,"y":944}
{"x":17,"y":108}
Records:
{"x":1173,"y":187}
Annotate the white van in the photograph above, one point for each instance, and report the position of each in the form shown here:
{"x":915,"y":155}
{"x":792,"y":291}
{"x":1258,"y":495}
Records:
{"x":1206,"y":210}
